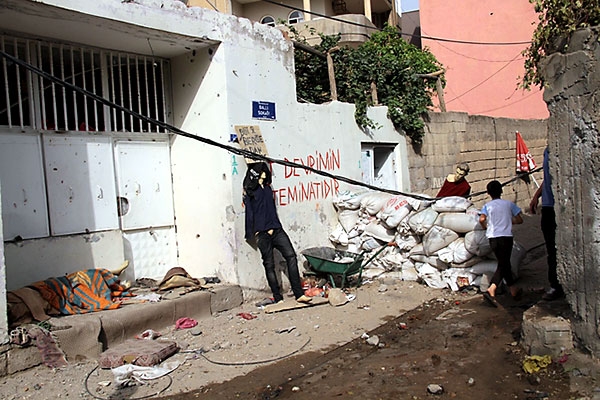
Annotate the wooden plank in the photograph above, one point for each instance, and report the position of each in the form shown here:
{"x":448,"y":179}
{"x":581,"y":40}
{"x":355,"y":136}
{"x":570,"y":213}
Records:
{"x":292,"y":304}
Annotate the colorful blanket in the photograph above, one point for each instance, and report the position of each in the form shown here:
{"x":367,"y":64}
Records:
{"x":83,"y":291}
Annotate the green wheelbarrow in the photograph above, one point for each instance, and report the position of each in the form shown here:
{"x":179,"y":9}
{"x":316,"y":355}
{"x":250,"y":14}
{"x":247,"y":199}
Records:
{"x":333,"y":262}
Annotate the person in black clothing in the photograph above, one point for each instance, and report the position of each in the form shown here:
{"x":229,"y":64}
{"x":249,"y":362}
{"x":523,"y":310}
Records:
{"x":262,"y":224}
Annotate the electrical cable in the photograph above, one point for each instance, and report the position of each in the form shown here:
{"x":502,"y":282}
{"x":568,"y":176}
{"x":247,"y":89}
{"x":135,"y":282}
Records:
{"x":235,"y":150}
{"x":406,"y":34}
{"x":87,"y":389}
{"x":171,"y":128}
{"x":241,"y":363}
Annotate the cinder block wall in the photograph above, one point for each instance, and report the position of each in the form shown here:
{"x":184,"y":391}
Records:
{"x":487,"y":144}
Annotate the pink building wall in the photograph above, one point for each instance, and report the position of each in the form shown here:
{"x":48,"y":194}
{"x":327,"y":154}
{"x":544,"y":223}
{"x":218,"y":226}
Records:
{"x":482,"y":79}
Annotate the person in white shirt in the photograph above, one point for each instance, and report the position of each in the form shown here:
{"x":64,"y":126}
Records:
{"x":497,"y":217}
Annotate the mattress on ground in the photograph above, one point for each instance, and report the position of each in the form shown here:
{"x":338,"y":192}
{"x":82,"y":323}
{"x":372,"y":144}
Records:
{"x":140,"y":352}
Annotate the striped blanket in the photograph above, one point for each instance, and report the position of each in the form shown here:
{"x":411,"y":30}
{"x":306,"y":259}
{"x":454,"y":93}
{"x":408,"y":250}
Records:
{"x":83,"y":291}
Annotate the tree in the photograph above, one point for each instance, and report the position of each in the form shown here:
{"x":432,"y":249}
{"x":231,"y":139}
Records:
{"x":558,"y":20}
{"x":385,"y":60}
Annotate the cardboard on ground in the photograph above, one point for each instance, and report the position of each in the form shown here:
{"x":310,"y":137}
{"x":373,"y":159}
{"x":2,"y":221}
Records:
{"x":292,"y":304}
{"x":250,"y":138}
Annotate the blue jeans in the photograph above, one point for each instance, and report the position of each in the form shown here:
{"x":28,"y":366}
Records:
{"x":279,"y":240}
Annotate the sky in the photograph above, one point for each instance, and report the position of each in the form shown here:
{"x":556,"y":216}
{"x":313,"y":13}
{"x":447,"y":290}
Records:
{"x":410,"y":5}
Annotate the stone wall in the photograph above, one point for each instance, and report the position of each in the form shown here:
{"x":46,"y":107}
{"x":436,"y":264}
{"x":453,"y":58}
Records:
{"x":487,"y":144}
{"x":573,"y":83}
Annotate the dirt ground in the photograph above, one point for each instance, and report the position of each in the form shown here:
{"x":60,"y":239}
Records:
{"x":392,"y":341}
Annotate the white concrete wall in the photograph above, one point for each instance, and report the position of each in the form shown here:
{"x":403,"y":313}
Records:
{"x":213,"y":89}
{"x":3,"y":311}
{"x":39,"y":259}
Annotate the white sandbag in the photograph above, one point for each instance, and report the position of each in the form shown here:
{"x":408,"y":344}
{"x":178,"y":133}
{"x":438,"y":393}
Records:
{"x":409,"y":272}
{"x":516,"y":258}
{"x":407,"y":242}
{"x":455,"y":278}
{"x":418,"y":249}
{"x":347,"y":200}
{"x":373,"y":202}
{"x":437,"y":238}
{"x":421,"y":222}
{"x":451,"y":204}
{"x":339,"y":235}
{"x":434,"y":261}
{"x":370,"y":243}
{"x":395,"y":210}
{"x":470,"y":262}
{"x":446,"y":254}
{"x":430,"y":275}
{"x":477,"y":244}
{"x":461,"y":254}
{"x":458,"y":222}
{"x":487,"y":266}
{"x":475,"y":212}
{"x":421,"y":204}
{"x":378,"y":231}
{"x":392,"y":261}
{"x":348,"y":219}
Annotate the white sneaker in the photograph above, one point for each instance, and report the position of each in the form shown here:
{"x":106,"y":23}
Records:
{"x":304,"y":299}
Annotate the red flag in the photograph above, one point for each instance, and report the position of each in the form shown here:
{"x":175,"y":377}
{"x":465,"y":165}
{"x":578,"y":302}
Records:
{"x":525,"y":162}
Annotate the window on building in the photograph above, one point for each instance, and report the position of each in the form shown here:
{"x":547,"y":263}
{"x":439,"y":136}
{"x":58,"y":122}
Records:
{"x":133,"y":82}
{"x":295,"y":17}
{"x":268,"y":20}
{"x":378,"y":165}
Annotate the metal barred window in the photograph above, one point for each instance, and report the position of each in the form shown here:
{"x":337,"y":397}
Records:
{"x":137,"y":83}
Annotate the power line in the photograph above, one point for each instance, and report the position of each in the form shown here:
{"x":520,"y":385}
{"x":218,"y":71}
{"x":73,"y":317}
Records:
{"x":438,"y":39}
{"x":173,"y":129}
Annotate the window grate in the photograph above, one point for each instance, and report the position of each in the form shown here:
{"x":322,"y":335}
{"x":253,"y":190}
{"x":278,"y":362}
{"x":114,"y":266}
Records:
{"x":134,"y":82}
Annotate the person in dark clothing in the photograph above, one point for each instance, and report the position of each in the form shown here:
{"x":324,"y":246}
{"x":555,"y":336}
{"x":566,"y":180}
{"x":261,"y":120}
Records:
{"x":263,"y":224}
{"x":548,"y":224}
{"x":456,"y":184}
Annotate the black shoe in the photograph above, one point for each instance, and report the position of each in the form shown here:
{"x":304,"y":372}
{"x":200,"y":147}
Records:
{"x":553,"y":294}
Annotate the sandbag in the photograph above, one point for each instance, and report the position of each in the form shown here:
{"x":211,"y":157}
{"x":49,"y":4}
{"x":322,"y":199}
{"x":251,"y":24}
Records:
{"x":477,"y":243}
{"x":395,"y":210}
{"x":457,"y":278}
{"x":378,"y":231}
{"x":421,"y":222}
{"x":458,"y":222}
{"x":373,"y":202}
{"x":430,"y":275}
{"x":347,"y":200}
{"x":348,"y":219}
{"x":339,"y":235}
{"x":437,"y":238}
{"x":406,"y":242}
{"x":461,"y":254}
{"x":409,"y":272}
{"x":452,"y":204}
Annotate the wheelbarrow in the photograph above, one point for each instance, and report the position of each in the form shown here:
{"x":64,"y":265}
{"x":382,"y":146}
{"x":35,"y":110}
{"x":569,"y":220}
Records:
{"x":338,"y":262}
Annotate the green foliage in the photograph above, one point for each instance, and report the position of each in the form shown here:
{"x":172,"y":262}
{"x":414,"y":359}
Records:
{"x":558,"y":20}
{"x":386,"y":60}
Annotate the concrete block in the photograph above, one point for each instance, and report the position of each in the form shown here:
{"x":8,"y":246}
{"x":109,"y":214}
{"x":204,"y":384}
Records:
{"x":22,"y":358}
{"x":544,"y":333}
{"x":225,"y":298}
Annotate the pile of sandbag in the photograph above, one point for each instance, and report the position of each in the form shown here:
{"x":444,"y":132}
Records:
{"x":438,"y":242}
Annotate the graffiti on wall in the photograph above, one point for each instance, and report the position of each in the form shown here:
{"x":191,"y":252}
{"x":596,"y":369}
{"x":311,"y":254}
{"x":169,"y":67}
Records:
{"x":310,"y":190}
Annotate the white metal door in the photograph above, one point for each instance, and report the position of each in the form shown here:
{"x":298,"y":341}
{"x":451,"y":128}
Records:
{"x":144,"y":184}
{"x":24,"y":207}
{"x":81,"y":185}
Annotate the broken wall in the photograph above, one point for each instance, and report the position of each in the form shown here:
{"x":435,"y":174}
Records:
{"x":573,"y":80}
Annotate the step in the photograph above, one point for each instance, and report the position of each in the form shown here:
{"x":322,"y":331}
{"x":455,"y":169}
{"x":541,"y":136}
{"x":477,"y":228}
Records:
{"x":85,"y":336}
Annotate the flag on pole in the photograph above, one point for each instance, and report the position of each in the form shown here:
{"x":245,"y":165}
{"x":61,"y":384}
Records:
{"x":525,"y":162}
